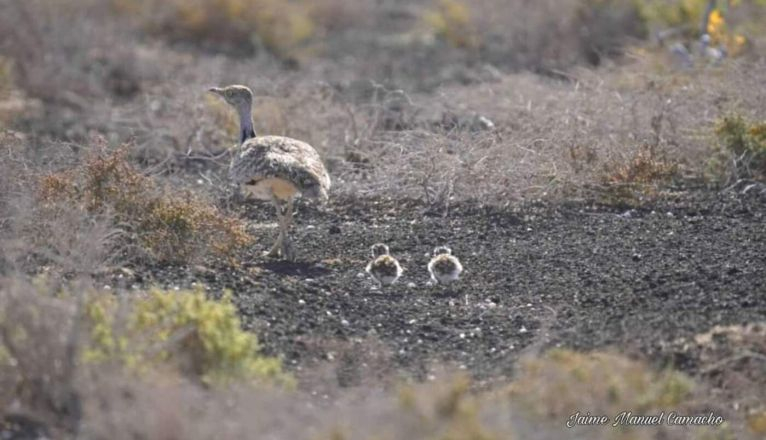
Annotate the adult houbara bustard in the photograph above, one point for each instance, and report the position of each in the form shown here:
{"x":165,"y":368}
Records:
{"x":273,"y":168}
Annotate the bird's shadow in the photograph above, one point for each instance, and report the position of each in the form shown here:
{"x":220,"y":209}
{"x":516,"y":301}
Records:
{"x":300,"y":268}
{"x":445,"y":292}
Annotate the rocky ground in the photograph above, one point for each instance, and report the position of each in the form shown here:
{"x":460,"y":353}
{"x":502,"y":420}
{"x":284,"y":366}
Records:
{"x":574,"y":275}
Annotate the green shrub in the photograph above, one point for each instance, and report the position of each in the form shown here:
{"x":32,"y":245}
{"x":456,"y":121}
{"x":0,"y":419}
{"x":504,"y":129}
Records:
{"x":182,"y":330}
{"x":174,"y":227}
{"x":740,"y":152}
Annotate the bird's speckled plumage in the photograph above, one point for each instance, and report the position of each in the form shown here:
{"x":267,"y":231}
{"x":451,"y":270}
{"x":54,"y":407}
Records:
{"x":294,"y":161}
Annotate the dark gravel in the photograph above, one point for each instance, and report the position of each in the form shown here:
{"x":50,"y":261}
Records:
{"x":572,"y":275}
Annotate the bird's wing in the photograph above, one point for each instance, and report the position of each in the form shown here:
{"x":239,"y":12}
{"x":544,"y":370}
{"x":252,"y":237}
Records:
{"x":280,"y":157}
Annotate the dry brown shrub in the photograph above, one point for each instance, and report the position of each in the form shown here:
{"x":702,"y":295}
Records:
{"x":171,"y":227}
{"x":732,"y":358}
{"x":643,"y":176}
{"x":61,"y":238}
{"x":39,"y":337}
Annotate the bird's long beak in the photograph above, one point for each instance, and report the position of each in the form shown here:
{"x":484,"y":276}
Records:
{"x":216,"y":90}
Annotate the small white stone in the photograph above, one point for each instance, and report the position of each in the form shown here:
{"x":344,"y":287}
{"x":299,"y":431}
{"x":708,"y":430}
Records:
{"x":301,"y":302}
{"x":523,"y":329}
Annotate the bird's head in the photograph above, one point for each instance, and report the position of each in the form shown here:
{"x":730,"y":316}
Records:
{"x":239,"y":97}
{"x":441,"y":250}
{"x":379,"y":249}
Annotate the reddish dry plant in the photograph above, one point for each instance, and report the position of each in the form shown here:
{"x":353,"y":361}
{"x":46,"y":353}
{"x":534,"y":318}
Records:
{"x":171,"y":226}
{"x":645,"y":168}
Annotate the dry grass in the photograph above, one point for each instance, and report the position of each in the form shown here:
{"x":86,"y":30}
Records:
{"x":732,"y":359}
{"x":552,"y":137}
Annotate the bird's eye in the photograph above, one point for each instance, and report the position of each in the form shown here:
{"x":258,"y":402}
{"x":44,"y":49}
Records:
{"x":229,"y":93}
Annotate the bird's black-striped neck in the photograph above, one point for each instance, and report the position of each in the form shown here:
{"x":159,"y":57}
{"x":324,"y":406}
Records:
{"x":246,"y":129}
{"x":245,"y":134}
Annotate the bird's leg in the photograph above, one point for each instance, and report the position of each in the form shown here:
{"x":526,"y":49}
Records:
{"x":288,"y":252}
{"x":274,"y":251}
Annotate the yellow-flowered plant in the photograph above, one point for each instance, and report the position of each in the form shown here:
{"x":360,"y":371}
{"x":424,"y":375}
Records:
{"x":720,"y":34}
{"x":688,"y":14}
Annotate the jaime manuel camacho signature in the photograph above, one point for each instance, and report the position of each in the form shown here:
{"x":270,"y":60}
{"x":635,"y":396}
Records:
{"x":627,"y":418}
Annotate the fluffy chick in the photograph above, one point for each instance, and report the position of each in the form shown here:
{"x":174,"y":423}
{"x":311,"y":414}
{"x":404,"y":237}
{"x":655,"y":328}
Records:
{"x":383,"y":268}
{"x":444,"y":267}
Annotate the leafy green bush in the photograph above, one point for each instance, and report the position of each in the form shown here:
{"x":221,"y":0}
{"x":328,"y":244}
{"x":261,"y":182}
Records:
{"x":182,"y":330}
{"x":740,"y":152}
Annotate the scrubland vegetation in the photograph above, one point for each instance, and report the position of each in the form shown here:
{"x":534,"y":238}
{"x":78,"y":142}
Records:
{"x":114,"y":160}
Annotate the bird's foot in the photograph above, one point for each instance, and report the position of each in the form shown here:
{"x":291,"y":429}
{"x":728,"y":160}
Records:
{"x":287,"y":250}
{"x":275,"y":250}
